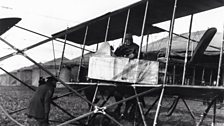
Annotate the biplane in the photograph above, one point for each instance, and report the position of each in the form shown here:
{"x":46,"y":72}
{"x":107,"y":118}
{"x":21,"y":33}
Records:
{"x":197,"y":76}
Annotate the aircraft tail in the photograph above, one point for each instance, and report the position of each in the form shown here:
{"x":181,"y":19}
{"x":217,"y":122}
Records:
{"x":202,"y":45}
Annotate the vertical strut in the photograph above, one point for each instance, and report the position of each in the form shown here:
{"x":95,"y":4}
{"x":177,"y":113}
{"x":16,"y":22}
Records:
{"x":220,"y":60}
{"x":203,"y":77}
{"x":170,"y":40}
{"x":174,"y":74}
{"x":139,"y":52}
{"x":158,"y":106}
{"x":194,"y":75}
{"x":94,"y":97}
{"x":140,"y":108}
{"x":187,"y":49}
{"x":126,"y":25}
{"x":143,"y":28}
{"x":167,"y":61}
{"x":84,"y":43}
{"x":62,"y":56}
{"x":210,"y":78}
{"x":108,"y":26}
{"x":147,"y":43}
{"x":97,"y":46}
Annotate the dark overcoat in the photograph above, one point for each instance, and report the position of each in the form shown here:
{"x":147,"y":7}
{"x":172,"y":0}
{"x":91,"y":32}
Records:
{"x":126,"y":50}
{"x":40,"y":103}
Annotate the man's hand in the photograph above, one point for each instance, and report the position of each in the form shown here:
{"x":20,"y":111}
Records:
{"x":131,"y":56}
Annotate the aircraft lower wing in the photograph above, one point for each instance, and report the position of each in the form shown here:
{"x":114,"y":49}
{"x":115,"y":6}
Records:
{"x":190,"y":91}
{"x":7,"y":23}
{"x":187,"y":91}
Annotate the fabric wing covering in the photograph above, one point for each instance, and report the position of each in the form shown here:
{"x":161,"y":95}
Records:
{"x":158,"y":11}
{"x":7,"y":23}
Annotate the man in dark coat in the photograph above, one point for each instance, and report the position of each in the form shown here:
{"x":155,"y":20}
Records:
{"x":39,"y":107}
{"x":129,"y":49}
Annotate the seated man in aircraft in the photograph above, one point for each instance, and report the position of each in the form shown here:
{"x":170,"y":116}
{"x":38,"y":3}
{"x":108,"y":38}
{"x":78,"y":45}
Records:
{"x":129,"y":49}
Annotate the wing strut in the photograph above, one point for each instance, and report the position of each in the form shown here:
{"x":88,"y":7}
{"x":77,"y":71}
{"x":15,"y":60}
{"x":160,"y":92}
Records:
{"x":80,"y":65}
{"x":220,"y":61}
{"x":126,"y":25}
{"x":139,"y":52}
{"x":143,"y":28}
{"x":167,"y":61}
{"x":186,"y":53}
{"x":62,"y":56}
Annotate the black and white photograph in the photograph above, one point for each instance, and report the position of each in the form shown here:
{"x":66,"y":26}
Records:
{"x":112,"y":63}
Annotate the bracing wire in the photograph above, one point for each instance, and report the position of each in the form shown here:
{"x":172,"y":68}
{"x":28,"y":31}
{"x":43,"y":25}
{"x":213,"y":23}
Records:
{"x":49,"y":37}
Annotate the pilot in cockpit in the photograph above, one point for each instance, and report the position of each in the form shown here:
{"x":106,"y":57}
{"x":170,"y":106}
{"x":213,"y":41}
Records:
{"x":128,"y":49}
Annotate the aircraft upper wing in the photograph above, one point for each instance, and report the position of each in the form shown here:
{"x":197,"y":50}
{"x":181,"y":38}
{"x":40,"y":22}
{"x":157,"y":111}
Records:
{"x":158,"y":11}
{"x":7,"y":23}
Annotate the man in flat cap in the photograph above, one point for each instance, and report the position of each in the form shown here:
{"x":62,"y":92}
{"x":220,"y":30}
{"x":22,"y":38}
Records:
{"x":129,"y":49}
{"x":39,"y":107}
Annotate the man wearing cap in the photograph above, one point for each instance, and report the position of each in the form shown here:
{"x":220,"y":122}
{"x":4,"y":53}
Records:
{"x":129,"y":49}
{"x":39,"y":107}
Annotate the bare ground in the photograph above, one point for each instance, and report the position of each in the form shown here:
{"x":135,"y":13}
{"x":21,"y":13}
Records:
{"x":15,"y":98}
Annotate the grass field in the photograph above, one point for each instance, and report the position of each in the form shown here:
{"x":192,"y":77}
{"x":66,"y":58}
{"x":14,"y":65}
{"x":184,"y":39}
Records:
{"x":15,"y":98}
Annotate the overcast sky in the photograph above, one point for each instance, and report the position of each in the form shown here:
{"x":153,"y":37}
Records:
{"x":50,"y":16}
